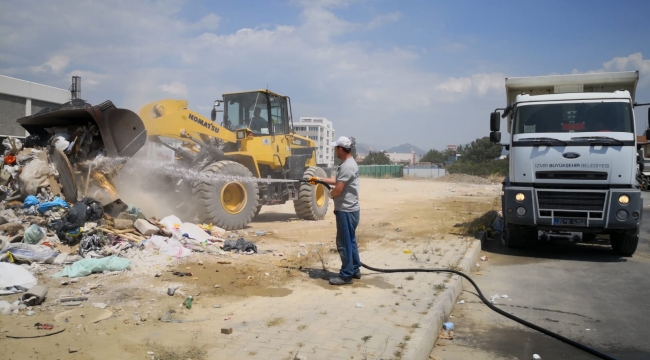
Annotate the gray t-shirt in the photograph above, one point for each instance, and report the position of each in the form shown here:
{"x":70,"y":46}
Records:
{"x":348,"y":172}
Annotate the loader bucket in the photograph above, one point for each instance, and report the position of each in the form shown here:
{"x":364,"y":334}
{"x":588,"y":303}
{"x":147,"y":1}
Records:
{"x":121,"y":130}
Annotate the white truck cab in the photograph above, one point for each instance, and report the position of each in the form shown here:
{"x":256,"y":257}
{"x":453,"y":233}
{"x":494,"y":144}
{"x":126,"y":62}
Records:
{"x":573,"y":158}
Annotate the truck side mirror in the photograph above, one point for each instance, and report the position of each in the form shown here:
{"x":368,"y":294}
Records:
{"x":213,"y":114}
{"x":495,"y":136}
{"x":495,"y":121}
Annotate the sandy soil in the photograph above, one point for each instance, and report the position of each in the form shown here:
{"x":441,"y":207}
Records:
{"x":392,"y":209}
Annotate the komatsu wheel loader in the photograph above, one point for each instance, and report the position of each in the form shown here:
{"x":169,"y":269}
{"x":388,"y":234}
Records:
{"x":251,"y":159}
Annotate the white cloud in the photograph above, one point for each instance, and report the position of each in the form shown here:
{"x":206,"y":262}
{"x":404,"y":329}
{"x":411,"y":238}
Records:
{"x":384,"y":19}
{"x":175,"y":88}
{"x":55,"y":64}
{"x":138,"y":52}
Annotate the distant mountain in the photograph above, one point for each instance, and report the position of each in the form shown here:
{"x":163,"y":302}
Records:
{"x":406,"y":148}
{"x":367,"y":148}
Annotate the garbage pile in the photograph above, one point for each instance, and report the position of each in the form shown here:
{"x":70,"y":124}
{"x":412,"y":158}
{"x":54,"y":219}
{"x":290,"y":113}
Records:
{"x":40,"y":224}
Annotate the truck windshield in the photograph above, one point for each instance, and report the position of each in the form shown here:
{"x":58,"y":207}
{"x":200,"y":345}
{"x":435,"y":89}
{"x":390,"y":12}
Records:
{"x":574,"y":118}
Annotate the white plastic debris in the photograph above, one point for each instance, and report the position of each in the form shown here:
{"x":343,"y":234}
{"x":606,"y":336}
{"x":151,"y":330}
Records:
{"x":504,"y":296}
{"x":359,"y":305}
{"x":484,"y":258}
{"x":461,"y":302}
{"x":536,"y":357}
{"x":494,"y":298}
{"x":478,"y":265}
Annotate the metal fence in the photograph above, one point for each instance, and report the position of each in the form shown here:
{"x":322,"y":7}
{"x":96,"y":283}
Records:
{"x":381,"y":171}
{"x":421,"y":172}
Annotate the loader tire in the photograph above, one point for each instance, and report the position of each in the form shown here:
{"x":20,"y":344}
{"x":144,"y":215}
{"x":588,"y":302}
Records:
{"x":313,"y":200}
{"x":624,"y":244}
{"x":226,"y":202}
{"x":513,"y":236}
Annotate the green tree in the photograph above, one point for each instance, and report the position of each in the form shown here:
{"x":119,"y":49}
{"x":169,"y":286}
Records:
{"x":480,"y":151}
{"x":434,"y":156}
{"x":376,"y":158}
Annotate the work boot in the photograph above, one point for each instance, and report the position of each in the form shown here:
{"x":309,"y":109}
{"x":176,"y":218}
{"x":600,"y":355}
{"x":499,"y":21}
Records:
{"x":340,"y":281}
{"x":357,"y":275}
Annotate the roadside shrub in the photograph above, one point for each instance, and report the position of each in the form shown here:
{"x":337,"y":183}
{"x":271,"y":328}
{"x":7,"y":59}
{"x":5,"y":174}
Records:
{"x":493,"y":167}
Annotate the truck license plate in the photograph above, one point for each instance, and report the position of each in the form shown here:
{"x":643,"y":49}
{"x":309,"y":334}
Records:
{"x":569,"y":222}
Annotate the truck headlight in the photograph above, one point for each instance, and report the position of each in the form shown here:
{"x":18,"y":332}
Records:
{"x":621,"y":215}
{"x":624,"y":199}
{"x":520,"y":197}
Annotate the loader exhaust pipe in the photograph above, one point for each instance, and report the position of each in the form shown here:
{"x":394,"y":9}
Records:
{"x":75,"y":88}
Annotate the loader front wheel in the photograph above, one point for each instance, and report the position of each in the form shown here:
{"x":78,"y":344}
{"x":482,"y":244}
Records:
{"x":313,"y":200}
{"x":226,"y":195}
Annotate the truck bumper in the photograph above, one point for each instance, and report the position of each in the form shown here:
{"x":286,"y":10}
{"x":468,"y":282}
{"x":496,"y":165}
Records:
{"x":572,"y":210}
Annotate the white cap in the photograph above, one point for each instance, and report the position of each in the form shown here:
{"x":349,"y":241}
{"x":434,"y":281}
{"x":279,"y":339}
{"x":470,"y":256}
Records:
{"x":343,"y":141}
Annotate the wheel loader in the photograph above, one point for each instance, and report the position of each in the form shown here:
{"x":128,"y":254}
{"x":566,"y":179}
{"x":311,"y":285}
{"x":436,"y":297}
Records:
{"x":252,"y":158}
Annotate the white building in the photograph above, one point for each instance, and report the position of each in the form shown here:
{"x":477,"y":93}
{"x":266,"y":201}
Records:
{"x":404,"y":158}
{"x":20,"y":98}
{"x":321,"y":131}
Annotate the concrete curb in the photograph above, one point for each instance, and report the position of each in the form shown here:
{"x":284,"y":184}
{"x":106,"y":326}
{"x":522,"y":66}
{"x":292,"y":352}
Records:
{"x":426,"y":338}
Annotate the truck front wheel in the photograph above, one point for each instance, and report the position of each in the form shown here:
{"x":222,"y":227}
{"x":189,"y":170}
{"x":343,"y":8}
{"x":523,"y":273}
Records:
{"x":625,"y":243}
{"x":514,"y":236}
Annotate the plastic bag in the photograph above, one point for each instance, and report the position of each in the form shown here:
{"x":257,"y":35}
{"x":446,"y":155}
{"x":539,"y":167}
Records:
{"x":168,"y":247}
{"x":32,"y":141}
{"x":34,"y":176}
{"x":33,"y":234}
{"x":10,"y":159}
{"x":60,"y":143}
{"x":30,"y":201}
{"x":88,"y":266}
{"x":29,"y":253}
{"x":57,"y":202}
{"x":15,"y":277}
{"x":7,"y":143}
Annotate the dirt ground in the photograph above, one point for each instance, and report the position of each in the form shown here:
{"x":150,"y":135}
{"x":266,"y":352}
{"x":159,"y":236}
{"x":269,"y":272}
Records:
{"x":392,"y":209}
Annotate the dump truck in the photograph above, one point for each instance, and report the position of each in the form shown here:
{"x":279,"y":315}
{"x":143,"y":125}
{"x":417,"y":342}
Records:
{"x":573,"y":158}
{"x":252,"y":158}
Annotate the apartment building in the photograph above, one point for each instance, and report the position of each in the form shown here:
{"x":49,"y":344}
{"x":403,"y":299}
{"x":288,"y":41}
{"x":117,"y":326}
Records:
{"x":321,"y":131}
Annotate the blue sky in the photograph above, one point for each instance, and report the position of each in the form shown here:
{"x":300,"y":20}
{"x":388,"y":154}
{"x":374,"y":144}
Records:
{"x":386,"y":72}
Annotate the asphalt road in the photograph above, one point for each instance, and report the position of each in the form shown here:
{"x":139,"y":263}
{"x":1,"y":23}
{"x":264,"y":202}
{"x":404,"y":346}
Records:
{"x":584,"y":292}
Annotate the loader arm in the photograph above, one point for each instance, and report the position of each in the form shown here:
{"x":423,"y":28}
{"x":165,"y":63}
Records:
{"x":168,"y":118}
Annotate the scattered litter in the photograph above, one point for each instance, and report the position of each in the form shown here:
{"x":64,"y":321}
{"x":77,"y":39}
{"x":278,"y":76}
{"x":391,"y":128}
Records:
{"x":149,"y":352}
{"x":241,"y":245}
{"x":15,"y":279}
{"x":72,"y":350}
{"x":88,"y":266}
{"x":40,"y":326}
{"x":260,"y":233}
{"x":100,"y":305}
{"x":188,"y":302}
{"x":461,"y":302}
{"x":504,"y":296}
{"x":494,"y":298}
{"x":171,"y":290}
{"x":477,"y":265}
{"x":167,"y":318}
{"x":407,"y":251}
{"x":226,"y":331}
{"x":448,"y":326}
{"x":34,"y":296}
{"x":359,"y":305}
{"x":30,"y":313}
{"x":228,"y":318}
{"x":216,"y":306}
{"x":484,"y":258}
{"x":536,"y":357}
{"x":398,"y":230}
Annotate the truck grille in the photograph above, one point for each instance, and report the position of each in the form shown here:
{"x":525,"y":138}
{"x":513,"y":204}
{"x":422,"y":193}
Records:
{"x":578,"y":201}
{"x":571,"y":175}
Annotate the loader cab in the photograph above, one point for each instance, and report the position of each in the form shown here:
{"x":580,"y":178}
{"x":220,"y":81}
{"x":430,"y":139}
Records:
{"x":264,"y":112}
